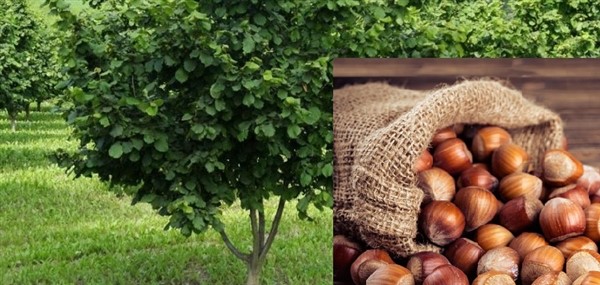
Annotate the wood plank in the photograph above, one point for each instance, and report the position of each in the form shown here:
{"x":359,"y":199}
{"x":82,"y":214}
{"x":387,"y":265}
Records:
{"x":564,"y":68}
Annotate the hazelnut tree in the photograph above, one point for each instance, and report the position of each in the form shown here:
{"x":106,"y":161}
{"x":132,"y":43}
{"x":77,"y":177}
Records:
{"x":28,"y":63}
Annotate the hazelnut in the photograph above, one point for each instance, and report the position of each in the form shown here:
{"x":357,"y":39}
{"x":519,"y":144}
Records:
{"x":573,"y":244}
{"x":424,"y":162}
{"x":477,"y":176}
{"x":443,"y":135}
{"x":491,"y":235}
{"x":441,"y":222}
{"x":574,"y":193}
{"x":590,"y":278}
{"x":540,"y":261}
{"x":464,"y":254}
{"x":526,"y":242}
{"x":502,"y":259}
{"x":477,"y":204}
{"x":561,"y":168}
{"x":345,"y":252}
{"x":446,"y":274}
{"x":590,"y":180}
{"x":520,"y":184}
{"x":493,"y":278}
{"x":488,"y":139}
{"x":377,"y":258}
{"x":553,"y":278}
{"x":423,"y":263}
{"x":437,"y":185}
{"x":391,"y":274}
{"x":509,"y":158}
{"x":592,"y":221}
{"x":561,"y":219}
{"x":452,"y":156}
{"x":520,"y":213}
{"x":581,"y":262}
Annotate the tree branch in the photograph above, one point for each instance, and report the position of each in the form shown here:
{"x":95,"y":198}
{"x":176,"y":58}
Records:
{"x":274,"y":227}
{"x":232,"y":248}
{"x":261,"y":228}
{"x":256,"y":246}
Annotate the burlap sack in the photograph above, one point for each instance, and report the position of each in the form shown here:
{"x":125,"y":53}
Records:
{"x":380,"y":131}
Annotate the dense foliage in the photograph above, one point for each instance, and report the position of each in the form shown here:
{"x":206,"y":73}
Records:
{"x":28,"y":62}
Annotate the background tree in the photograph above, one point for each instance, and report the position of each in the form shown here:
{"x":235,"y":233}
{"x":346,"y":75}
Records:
{"x":28,"y":66}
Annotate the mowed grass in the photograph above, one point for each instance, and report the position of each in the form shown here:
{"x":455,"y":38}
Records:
{"x":55,"y":229}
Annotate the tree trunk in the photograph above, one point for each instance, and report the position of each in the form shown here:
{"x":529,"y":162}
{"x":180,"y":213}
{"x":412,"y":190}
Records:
{"x":39,"y":106}
{"x":13,"y":123}
{"x":260,"y":247}
{"x":253,"y":277}
{"x":27,"y":111}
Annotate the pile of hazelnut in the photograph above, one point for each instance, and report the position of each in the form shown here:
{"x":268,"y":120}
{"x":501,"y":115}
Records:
{"x":496,"y":221}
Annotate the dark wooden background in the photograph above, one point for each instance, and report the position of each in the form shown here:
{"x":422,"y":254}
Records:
{"x":570,"y":87}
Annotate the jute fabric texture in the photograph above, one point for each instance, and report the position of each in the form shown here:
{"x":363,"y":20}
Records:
{"x":381,"y":130}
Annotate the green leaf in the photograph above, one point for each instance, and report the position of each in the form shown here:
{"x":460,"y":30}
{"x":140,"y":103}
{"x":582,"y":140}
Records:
{"x":161,"y":145}
{"x":402,"y":3}
{"x":259,"y":19}
{"x":189,"y":65}
{"x":198,"y":129}
{"x":327,"y":170}
{"x":116,"y":131}
{"x":137,"y":143}
{"x":187,"y":117}
{"x":268,"y":130}
{"x":293,"y":131}
{"x":115,"y":150}
{"x":313,"y":116}
{"x":216,"y":89}
{"x":268,"y":75}
{"x":104,"y":122}
{"x":151,"y":110}
{"x":181,"y":75}
{"x":252,"y":66}
{"x":248,"y":99}
{"x":305,"y":179}
{"x":248,"y":45}
{"x":169,"y":61}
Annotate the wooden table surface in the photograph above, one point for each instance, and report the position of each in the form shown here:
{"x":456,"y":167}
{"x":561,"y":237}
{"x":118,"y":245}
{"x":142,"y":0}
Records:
{"x":570,"y":87}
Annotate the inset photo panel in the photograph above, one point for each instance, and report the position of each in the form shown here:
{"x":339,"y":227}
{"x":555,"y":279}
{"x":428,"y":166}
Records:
{"x":465,"y":169}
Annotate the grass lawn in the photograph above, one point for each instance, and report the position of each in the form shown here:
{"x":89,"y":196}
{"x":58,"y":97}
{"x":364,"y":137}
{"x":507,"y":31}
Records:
{"x":57,"y":230}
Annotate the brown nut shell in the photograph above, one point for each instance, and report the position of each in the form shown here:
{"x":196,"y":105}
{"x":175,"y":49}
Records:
{"x":446,"y":274}
{"x":391,"y":274}
{"x":493,"y":278}
{"x":441,"y":222}
{"x":502,"y":259}
{"x":561,"y":219}
{"x":477,"y":176}
{"x":359,"y":276}
{"x":573,"y":244}
{"x":509,"y":158}
{"x":592,"y":220}
{"x":488,"y":139}
{"x":423,"y":263}
{"x":540,"y":261}
{"x":478,"y":205}
{"x":520,"y":184}
{"x":526,"y":242}
{"x":491,"y":235}
{"x":553,"y":278}
{"x":590,"y":278}
{"x":561,"y":168}
{"x":345,"y":251}
{"x":452,"y":156}
{"x":442,"y":135}
{"x":424,"y":162}
{"x":519,"y":214}
{"x":464,"y":254}
{"x":437,"y":185}
{"x":574,"y":193}
{"x":581,"y":262}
